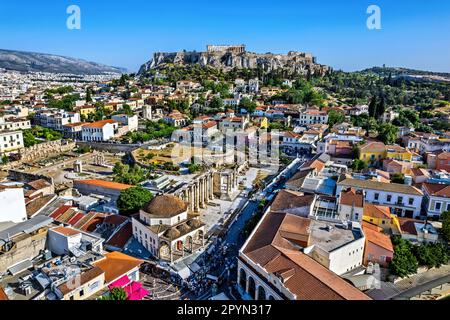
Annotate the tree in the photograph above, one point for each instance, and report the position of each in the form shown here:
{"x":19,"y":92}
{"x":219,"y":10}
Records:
{"x":359,"y":165}
{"x":381,"y":108}
{"x":216,"y":104}
{"x":116,"y":294}
{"x":432,"y":255}
{"x":5,"y":159}
{"x":446,"y":225}
{"x":248,"y":105}
{"x":373,"y":107}
{"x":88,"y":94}
{"x":387,"y":133}
{"x":133,"y":175}
{"x":335,"y":117}
{"x":404,"y":262}
{"x":132,"y":199}
{"x":398,"y":178}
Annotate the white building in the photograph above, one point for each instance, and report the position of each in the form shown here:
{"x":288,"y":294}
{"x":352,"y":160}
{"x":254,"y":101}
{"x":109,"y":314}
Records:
{"x":99,"y":131}
{"x":14,"y":124}
{"x":11,"y":141}
{"x":131,"y":122}
{"x":12,"y":203}
{"x":164,"y":228}
{"x":404,"y":200}
{"x":346,"y":250}
{"x":313,"y":116}
{"x":69,"y":241}
{"x":56,"y":119}
{"x":436,"y":199}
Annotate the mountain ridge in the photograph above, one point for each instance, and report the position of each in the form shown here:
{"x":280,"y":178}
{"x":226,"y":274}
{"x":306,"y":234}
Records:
{"x":25,"y":61}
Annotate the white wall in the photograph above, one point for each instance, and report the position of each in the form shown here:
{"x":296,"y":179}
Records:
{"x":60,"y":244}
{"x":12,"y":205}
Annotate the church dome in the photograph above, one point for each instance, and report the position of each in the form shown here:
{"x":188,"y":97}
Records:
{"x":165,"y":206}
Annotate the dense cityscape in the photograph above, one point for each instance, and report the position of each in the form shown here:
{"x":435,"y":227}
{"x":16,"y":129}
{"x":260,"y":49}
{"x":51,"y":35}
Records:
{"x":225,"y":175}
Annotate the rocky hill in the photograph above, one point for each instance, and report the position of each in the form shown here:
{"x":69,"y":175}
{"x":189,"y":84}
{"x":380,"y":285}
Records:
{"x":39,"y":62}
{"x":293,"y":62}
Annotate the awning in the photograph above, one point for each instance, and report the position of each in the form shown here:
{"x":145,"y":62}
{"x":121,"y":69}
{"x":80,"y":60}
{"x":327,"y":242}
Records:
{"x":121,"y":282}
{"x":194,"y":267}
{"x":184,"y":273}
{"x":21,"y":266}
{"x":135,"y":292}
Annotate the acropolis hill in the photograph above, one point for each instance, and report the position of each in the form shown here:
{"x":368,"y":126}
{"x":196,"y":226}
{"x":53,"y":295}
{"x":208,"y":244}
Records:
{"x":229,"y":57}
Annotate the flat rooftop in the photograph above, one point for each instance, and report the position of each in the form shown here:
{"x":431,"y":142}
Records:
{"x":331,"y":236}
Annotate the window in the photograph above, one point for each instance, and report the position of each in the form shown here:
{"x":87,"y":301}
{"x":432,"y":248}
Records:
{"x":411,"y":201}
{"x":438,"y":206}
{"x":448,"y":207}
{"x":376,"y":196}
{"x":389,"y":198}
{"x":81,"y":293}
{"x":400,"y":200}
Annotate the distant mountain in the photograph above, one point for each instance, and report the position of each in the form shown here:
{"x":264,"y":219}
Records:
{"x":409,"y":74}
{"x":40,"y":62}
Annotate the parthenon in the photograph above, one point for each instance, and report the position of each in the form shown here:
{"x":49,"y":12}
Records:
{"x":222,"y":48}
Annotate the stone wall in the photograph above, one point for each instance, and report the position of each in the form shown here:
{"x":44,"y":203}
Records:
{"x":110,"y":147}
{"x":27,"y":248}
{"x":46,"y":150}
{"x":16,"y":175}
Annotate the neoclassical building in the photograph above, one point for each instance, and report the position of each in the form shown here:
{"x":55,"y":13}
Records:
{"x":165,"y":228}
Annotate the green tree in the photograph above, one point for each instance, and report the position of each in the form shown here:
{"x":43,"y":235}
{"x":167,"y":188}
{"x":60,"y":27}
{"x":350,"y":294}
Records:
{"x":359,"y":165}
{"x":88,"y":94}
{"x":446,"y":225}
{"x":432,"y":255}
{"x":387,"y":133}
{"x":398,"y":178}
{"x":335,"y":117}
{"x":133,"y":175}
{"x":248,"y":105}
{"x":116,"y":294}
{"x":216,"y":104}
{"x":404,"y":262}
{"x":132,"y":199}
{"x":5,"y":159}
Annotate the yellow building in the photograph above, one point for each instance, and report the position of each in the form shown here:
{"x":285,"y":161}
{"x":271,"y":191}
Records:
{"x":396,"y":152}
{"x":373,"y":153}
{"x":263,"y":123}
{"x":377,"y":215}
{"x":86,"y":110}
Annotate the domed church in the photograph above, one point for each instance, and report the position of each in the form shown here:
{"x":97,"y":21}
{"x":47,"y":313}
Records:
{"x":165,"y":228}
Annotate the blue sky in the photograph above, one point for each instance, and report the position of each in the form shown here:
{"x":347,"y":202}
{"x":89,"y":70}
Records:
{"x":415,"y":33}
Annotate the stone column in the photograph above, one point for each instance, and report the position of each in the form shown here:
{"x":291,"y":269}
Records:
{"x":197,"y":198}
{"x":211,"y":187}
{"x":201,"y":193}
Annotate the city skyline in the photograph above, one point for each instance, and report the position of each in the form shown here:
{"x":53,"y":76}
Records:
{"x":335,"y":32}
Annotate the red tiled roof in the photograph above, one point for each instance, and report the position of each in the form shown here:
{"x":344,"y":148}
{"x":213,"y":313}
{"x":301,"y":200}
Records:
{"x":76,"y":218}
{"x":375,"y":211}
{"x":121,"y":237}
{"x":60,"y":211}
{"x":352,"y":198}
{"x":105,"y":184}
{"x":378,"y":239}
{"x":100,"y":124}
{"x":437,"y":190}
{"x":307,"y":279}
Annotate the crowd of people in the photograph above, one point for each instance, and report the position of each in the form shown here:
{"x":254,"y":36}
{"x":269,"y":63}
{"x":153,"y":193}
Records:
{"x":214,"y":270}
